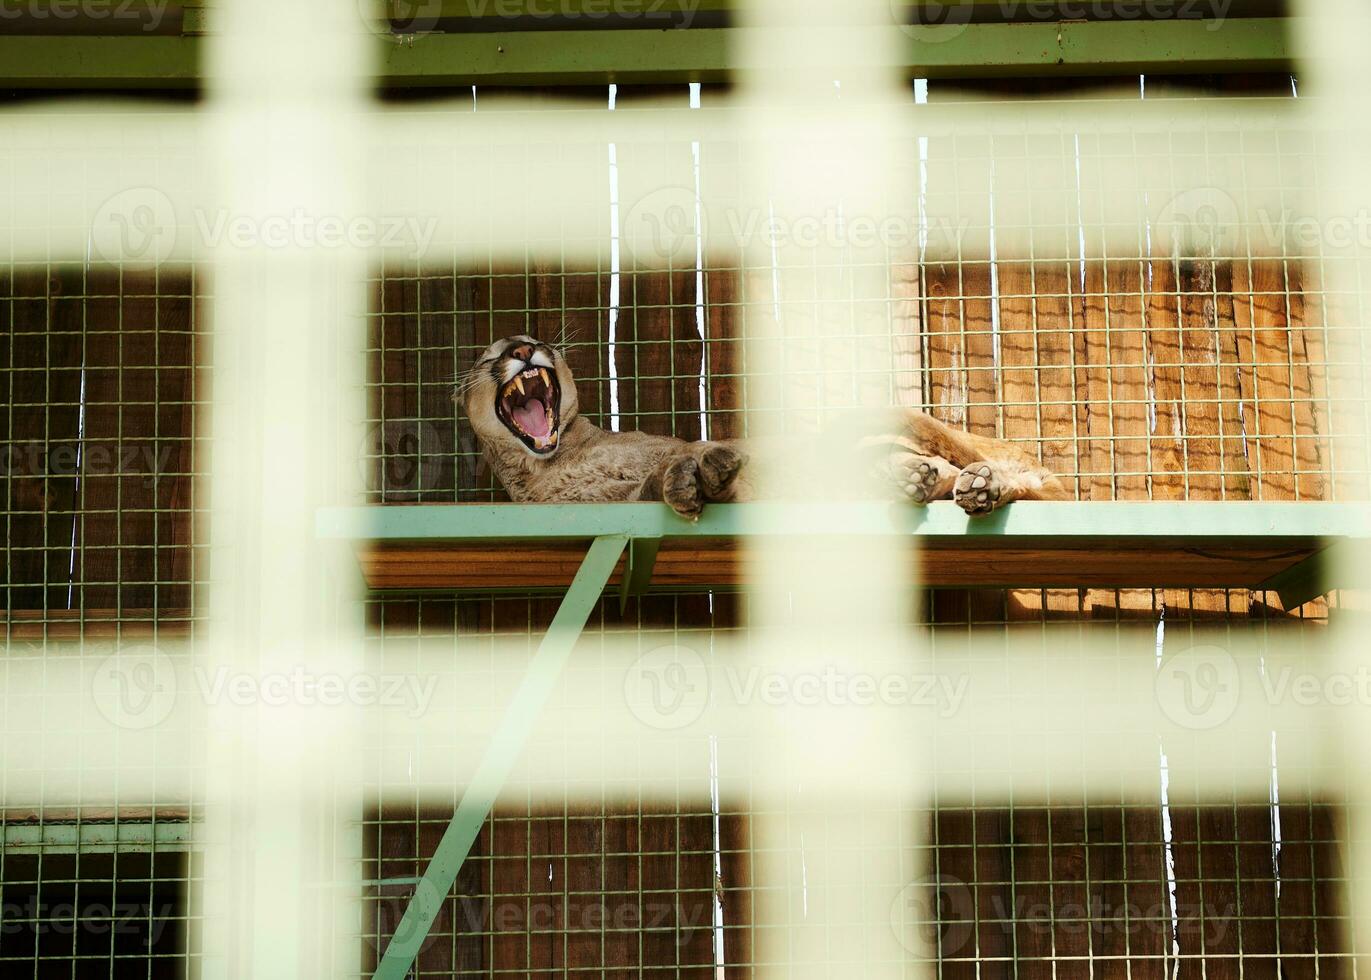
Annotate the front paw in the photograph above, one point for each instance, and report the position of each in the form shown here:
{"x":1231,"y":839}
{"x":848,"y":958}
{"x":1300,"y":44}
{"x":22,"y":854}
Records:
{"x":681,"y":488}
{"x":980,"y":489}
{"x":719,"y":467}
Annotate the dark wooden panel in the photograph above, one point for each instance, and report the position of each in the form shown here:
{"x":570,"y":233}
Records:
{"x":969,"y":564}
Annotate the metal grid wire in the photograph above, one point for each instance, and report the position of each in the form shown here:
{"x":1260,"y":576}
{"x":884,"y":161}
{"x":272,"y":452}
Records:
{"x":92,"y":897}
{"x":98,"y":471}
{"x":1227,"y":375}
{"x":98,"y":365}
{"x":1214,"y":378}
{"x":1134,"y":379}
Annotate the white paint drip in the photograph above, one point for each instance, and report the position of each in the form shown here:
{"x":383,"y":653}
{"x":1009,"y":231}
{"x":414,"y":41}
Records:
{"x":700,"y":326}
{"x":613,"y":274}
{"x":719,"y":959}
{"x":1274,"y":798}
{"x":1166,"y":827}
{"x":994,"y":286}
{"x":80,"y":451}
{"x":1080,"y":217}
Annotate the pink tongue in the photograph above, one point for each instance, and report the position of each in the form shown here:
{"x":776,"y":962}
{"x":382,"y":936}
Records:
{"x":532,"y":418}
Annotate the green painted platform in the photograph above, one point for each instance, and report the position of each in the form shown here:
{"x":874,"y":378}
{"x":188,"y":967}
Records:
{"x":1281,"y":547}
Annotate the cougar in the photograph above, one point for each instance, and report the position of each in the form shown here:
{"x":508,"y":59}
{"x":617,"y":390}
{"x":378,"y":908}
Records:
{"x":520,"y":398}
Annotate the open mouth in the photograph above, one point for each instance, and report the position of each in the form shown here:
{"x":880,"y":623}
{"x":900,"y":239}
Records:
{"x":527,"y":405}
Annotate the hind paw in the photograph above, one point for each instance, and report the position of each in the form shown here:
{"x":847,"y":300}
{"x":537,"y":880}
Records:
{"x":719,"y":467}
{"x":980,"y":489}
{"x":922,"y":478}
{"x":682,"y":490}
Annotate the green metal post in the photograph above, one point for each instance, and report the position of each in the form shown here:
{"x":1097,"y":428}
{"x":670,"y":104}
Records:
{"x":505,"y":746}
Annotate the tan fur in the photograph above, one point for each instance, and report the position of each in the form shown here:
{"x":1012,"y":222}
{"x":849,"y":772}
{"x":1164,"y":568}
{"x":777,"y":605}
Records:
{"x":921,"y":458}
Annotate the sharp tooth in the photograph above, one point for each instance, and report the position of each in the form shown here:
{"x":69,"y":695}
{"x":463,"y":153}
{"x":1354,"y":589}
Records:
{"x":519,"y":383}
{"x":543,"y":372}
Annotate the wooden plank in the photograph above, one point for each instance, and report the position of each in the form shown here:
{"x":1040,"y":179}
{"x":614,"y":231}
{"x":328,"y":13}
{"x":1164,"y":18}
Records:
{"x":707,"y":562}
{"x":906,"y":330}
{"x":1310,"y":383}
{"x":1125,"y":412}
{"x":1264,"y":342}
{"x":1035,"y":922}
{"x":725,"y":354}
{"x":1201,"y":418}
{"x":183,"y":378}
{"x":737,"y":884}
{"x":1288,"y":442}
{"x":963,"y":347}
{"x":1162,"y":358}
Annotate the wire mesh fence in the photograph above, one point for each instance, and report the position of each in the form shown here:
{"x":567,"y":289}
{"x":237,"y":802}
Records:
{"x":1214,"y":376}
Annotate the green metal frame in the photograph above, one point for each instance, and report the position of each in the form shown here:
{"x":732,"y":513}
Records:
{"x":640,"y":55}
{"x":503,"y":751}
{"x":92,"y":837}
{"x":1197,"y":521}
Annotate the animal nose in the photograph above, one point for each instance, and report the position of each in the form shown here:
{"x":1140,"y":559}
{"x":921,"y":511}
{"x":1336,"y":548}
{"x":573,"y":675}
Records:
{"x":523,"y":352}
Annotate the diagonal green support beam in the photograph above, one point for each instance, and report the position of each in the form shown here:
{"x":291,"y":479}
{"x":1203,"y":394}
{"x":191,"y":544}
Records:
{"x":504,"y":749}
